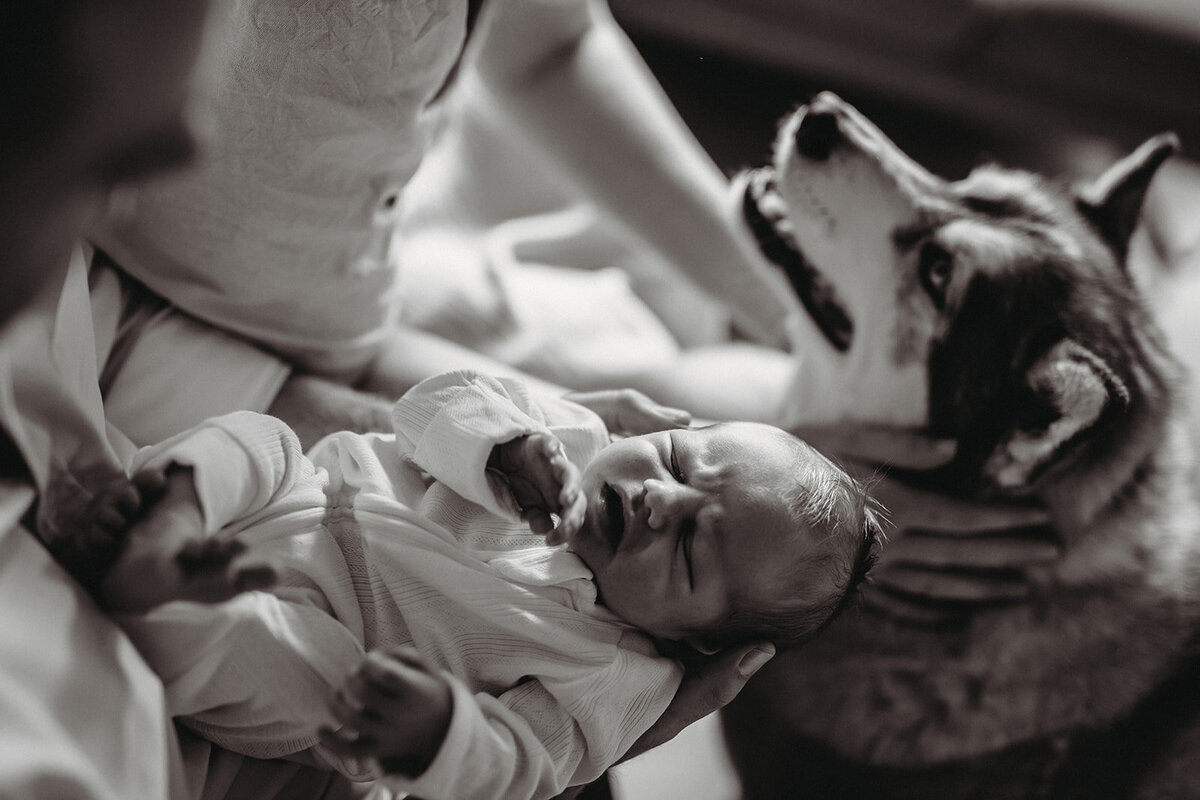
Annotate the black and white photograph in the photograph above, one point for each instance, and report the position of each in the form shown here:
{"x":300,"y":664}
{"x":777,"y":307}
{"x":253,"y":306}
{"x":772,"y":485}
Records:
{"x":599,"y":400}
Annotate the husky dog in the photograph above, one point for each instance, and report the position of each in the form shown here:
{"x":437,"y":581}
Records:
{"x":996,"y":310}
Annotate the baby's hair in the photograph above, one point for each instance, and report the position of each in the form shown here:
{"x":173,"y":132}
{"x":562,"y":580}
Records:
{"x":824,"y":499}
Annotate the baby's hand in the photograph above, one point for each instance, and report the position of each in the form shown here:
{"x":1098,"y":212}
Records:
{"x":122,"y":502}
{"x":543,"y":482}
{"x":87,"y":538}
{"x":395,"y":709}
{"x":163,"y":553}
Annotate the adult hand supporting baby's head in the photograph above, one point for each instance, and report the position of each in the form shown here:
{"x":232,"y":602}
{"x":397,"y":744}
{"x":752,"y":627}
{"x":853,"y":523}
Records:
{"x":709,"y":684}
{"x":629,"y":412}
{"x":946,"y":555}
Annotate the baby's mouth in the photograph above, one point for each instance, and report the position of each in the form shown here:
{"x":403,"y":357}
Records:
{"x":612,"y":518}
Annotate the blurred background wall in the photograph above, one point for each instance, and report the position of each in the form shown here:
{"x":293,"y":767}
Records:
{"x":949,"y":80}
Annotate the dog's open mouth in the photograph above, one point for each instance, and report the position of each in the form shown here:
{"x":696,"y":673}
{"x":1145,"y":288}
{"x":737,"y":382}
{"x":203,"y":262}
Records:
{"x":764,"y":211}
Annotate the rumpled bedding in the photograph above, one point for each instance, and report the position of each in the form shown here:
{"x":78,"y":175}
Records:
{"x":498,"y":253}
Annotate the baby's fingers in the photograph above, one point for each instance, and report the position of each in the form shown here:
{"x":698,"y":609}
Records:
{"x":116,"y":506}
{"x":574,"y":507}
{"x":125,"y":499}
{"x":538,"y":520}
{"x":396,"y":678}
{"x":571,"y":504}
{"x":348,"y":743}
{"x":564,"y":475}
{"x":540,"y":471}
{"x":115,"y":517}
{"x":548,"y":485}
{"x":569,"y":480}
{"x":122,"y":503}
{"x":354,"y":708}
{"x":390,"y":673}
{"x":346,"y":705}
{"x":151,"y":484}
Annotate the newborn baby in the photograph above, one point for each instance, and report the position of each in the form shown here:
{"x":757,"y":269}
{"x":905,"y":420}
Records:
{"x":515,"y":654}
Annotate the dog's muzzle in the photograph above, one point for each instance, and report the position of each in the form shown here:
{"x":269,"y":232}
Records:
{"x":763,"y":210}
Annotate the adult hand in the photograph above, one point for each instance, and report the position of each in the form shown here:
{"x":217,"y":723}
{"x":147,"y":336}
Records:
{"x":950,"y":556}
{"x":946,"y":556}
{"x":314,"y":407}
{"x":629,"y":412}
{"x":709,"y":684}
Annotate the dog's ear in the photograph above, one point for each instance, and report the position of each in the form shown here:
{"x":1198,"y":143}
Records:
{"x":1073,"y":389}
{"x":1113,"y":202}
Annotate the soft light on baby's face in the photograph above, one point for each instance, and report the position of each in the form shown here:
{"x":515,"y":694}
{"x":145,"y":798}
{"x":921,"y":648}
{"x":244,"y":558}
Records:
{"x":681,"y":523}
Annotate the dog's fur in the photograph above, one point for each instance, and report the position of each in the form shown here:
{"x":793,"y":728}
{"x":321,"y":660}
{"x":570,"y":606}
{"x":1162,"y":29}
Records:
{"x":996,"y":310}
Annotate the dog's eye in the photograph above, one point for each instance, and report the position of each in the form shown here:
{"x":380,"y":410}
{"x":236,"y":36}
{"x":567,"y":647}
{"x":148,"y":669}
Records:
{"x":935,"y":268}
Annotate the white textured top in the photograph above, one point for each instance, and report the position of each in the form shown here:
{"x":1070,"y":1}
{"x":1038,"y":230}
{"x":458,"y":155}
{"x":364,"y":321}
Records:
{"x":283,"y":232}
{"x":403,"y":540}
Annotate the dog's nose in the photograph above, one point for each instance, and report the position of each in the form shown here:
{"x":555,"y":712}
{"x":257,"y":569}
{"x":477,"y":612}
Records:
{"x":817,"y":135}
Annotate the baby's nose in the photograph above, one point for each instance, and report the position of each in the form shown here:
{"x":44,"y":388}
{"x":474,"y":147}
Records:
{"x":667,"y":502}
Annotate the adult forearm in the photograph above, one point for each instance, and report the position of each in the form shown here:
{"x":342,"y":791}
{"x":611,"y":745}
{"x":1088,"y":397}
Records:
{"x":314,"y":407}
{"x":585,"y":95}
{"x":411,"y":355}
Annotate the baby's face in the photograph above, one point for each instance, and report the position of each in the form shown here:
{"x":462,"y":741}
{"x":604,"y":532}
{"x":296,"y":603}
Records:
{"x":681,"y":522}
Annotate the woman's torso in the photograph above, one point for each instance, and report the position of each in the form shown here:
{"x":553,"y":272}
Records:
{"x":283,"y":231}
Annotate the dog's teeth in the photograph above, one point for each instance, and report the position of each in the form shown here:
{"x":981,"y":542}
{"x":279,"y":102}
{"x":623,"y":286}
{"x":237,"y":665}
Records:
{"x":762,"y":181}
{"x":772,"y":207}
{"x":770,"y":203}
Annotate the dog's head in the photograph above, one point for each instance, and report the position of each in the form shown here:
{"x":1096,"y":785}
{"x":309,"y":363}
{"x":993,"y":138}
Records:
{"x":995,"y":310}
